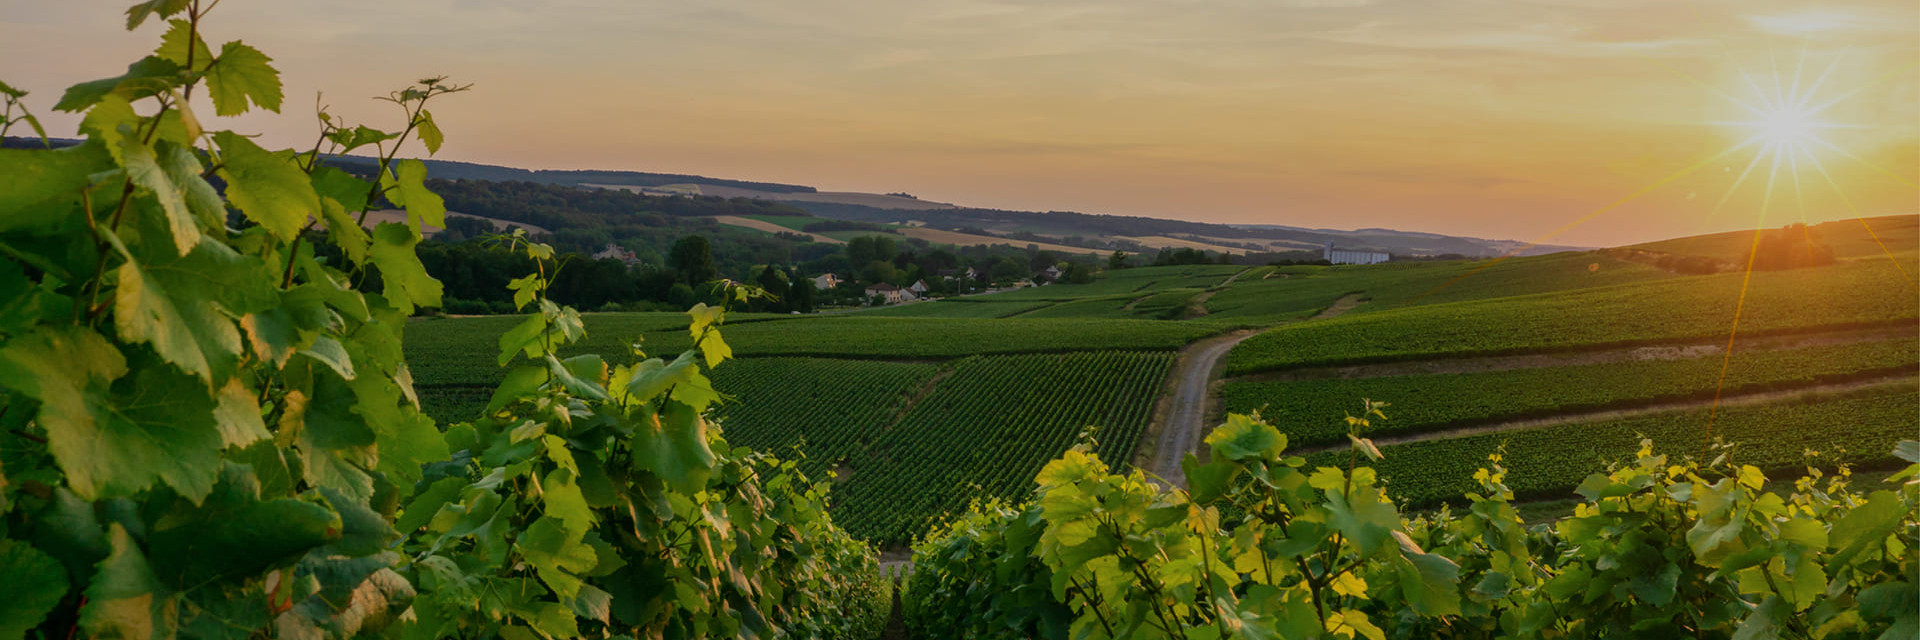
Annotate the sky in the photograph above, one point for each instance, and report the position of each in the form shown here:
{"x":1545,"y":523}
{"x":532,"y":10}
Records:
{"x":1511,"y":119}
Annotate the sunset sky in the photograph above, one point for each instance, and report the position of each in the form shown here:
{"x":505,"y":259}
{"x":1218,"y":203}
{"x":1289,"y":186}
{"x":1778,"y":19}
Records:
{"x":1492,"y":118}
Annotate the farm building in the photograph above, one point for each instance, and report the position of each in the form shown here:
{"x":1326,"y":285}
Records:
{"x":919,"y":287}
{"x":1355,"y":257}
{"x":891,"y":294}
{"x":617,"y":252}
{"x":825,"y":281}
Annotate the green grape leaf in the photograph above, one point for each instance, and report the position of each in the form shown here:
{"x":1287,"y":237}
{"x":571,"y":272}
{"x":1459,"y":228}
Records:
{"x":1366,"y":520}
{"x":406,"y":281}
{"x":148,"y":77}
{"x":138,"y":13}
{"x":424,"y":207}
{"x":242,"y":73}
{"x":236,"y":535}
{"x":580,"y":375}
{"x":174,"y":46}
{"x":350,"y":192}
{"x":1241,"y":438}
{"x":330,"y":352}
{"x":183,"y":169}
{"x":673,"y":445}
{"x":345,"y":231}
{"x":430,"y":134}
{"x":151,"y":426}
{"x":125,"y":600}
{"x":143,"y":169}
{"x":1427,"y":580}
{"x":37,"y":582}
{"x":265,"y":186}
{"x":1865,"y":527}
{"x":361,"y":531}
{"x":40,"y":188}
{"x":1208,"y":482}
{"x":521,"y":382}
{"x":557,"y":555}
{"x":185,"y":307}
{"x":237,"y":416}
{"x":561,"y":495}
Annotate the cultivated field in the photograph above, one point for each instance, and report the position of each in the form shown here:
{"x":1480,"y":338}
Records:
{"x":1562,"y":359}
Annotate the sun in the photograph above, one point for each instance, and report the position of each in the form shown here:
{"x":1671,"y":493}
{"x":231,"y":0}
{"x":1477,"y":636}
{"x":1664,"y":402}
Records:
{"x":1787,"y":127}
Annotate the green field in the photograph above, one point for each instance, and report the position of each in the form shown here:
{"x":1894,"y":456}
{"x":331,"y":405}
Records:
{"x":1551,"y":461}
{"x":989,"y":428}
{"x":1310,"y":411}
{"x":1853,"y":294}
{"x":922,"y":407}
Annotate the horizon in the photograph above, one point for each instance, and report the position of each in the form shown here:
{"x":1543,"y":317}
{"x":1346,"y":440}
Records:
{"x":1350,"y":114}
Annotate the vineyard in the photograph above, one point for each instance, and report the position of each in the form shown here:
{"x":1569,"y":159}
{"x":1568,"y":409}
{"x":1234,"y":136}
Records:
{"x":825,"y":410}
{"x":1309,"y":409}
{"x":1551,"y":461}
{"x":1699,"y":307}
{"x":988,"y":428}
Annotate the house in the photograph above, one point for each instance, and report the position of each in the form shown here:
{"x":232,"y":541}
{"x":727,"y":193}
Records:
{"x":919,"y":287}
{"x":951,"y":275}
{"x":825,"y":281}
{"x":1049,"y":275}
{"x":888,"y":293}
{"x":1354,"y":257}
{"x":617,"y":252}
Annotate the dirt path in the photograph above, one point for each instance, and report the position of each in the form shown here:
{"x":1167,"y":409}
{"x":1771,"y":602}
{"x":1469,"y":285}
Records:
{"x":1184,"y":417}
{"x":1483,"y":364}
{"x":1344,"y":304}
{"x":1739,"y":400}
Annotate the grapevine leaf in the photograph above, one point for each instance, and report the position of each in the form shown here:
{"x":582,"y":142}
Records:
{"x":238,"y":535}
{"x":265,"y":186}
{"x":1908,"y":450}
{"x":1427,"y":580}
{"x":561,"y":494}
{"x":174,"y":46}
{"x":359,"y":530}
{"x":1241,"y":438}
{"x":238,"y":416}
{"x":430,"y":134}
{"x":202,"y":200}
{"x":240,"y":74}
{"x":38,"y":582}
{"x":40,"y":188}
{"x":1210,"y":481}
{"x":150,"y":76}
{"x":557,"y":555}
{"x":114,"y":441}
{"x":185,"y":307}
{"x":330,"y":352}
{"x":580,"y":375}
{"x":406,"y":280}
{"x":424,"y":207}
{"x":673,"y":445}
{"x":521,"y":382}
{"x":350,"y":192}
{"x":1865,"y":527}
{"x":143,"y":169}
{"x":1366,"y":520}
{"x":138,"y":13}
{"x":345,"y":231}
{"x":1763,"y":623}
{"x":125,"y":600}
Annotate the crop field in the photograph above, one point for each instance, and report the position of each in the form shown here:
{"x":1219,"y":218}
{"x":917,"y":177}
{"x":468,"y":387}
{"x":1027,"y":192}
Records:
{"x":1852,"y":294}
{"x":1306,"y":290}
{"x":957,"y":308}
{"x":1863,"y":238}
{"x":1310,"y":411}
{"x":1550,"y":462}
{"x":1138,"y":282}
{"x":829,"y":409}
{"x":989,"y":428}
{"x":462,"y":350}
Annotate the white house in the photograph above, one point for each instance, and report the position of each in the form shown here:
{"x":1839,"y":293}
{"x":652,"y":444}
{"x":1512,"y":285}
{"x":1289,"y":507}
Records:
{"x":889,"y":293}
{"x":825,"y":281}
{"x":617,"y":252}
{"x":1354,"y":257}
{"x":919,"y":287}
{"x":1049,"y":275}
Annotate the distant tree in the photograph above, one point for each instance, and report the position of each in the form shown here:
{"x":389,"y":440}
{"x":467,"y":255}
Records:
{"x":865,"y":249}
{"x":1041,"y":260}
{"x":1007,"y":270}
{"x":775,"y":282}
{"x":878,"y":271}
{"x":1079,"y":273}
{"x":1226,"y":258}
{"x":800,"y":295}
{"x":1117,"y":261}
{"x":692,"y":258}
{"x":1791,"y":247}
{"x":681,"y":296}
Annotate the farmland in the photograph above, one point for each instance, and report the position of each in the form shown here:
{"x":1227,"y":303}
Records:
{"x":920,"y":408}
